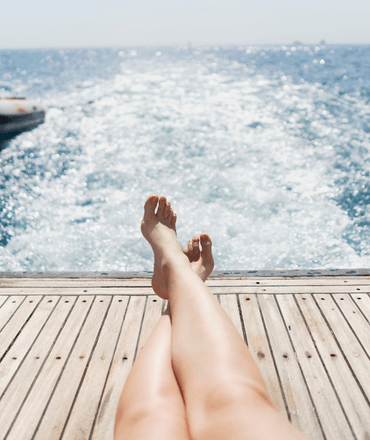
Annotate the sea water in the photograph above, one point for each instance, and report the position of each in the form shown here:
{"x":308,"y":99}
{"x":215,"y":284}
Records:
{"x":265,"y":148}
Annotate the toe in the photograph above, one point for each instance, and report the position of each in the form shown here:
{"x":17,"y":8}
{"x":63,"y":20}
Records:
{"x":161,"y":207}
{"x":170,"y":216}
{"x":174,"y":218}
{"x":190,"y":248}
{"x":196,"y":250}
{"x":206,"y":253}
{"x":167,"y":210}
{"x":149,"y":207}
{"x":206,"y":243}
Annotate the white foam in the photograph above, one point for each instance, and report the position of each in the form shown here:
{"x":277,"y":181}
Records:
{"x":230,"y":150}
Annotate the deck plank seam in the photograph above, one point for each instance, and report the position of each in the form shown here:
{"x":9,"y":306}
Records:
{"x":300,"y":368}
{"x":151,"y":293}
{"x":20,"y":330}
{"x":37,"y":376}
{"x":3,"y":298}
{"x":343,"y":354}
{"x":322,"y":361}
{"x":87,"y":364}
{"x":352,"y":329}
{"x":273,"y":360}
{"x":360,"y":310}
{"x":30,"y":348}
{"x":241,"y":318}
{"x":137,"y":284}
{"x":11,"y":316}
{"x":109,"y":370}
{"x":334,"y":297}
{"x":63,"y":368}
{"x":141,"y":327}
{"x":25,"y":357}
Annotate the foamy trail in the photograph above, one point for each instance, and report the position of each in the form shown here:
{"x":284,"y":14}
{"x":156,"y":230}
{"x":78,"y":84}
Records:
{"x":275,"y":168}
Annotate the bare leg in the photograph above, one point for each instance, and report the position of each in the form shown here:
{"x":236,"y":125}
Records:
{"x":223,"y":389}
{"x":151,"y":405}
{"x":201,"y":262}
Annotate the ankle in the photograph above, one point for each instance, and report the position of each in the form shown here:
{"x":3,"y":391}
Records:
{"x":174,"y":262}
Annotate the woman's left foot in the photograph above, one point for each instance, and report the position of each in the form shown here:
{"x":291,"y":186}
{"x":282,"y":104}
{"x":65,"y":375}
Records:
{"x":201,"y":261}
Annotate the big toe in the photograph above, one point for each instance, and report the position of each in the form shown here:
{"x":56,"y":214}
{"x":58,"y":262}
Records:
{"x":206,"y":242}
{"x":149,"y":207}
{"x":161,"y":207}
{"x":196,"y":252}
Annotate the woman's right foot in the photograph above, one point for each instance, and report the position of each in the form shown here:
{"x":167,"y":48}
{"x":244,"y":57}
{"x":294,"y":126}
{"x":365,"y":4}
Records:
{"x":201,"y":261}
{"x":159,"y":229}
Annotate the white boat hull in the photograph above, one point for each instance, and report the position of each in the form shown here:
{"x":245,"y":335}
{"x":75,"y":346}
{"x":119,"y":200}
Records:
{"x":18,"y":115}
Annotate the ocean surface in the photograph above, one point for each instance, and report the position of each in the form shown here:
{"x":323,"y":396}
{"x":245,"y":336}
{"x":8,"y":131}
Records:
{"x":266,"y":148}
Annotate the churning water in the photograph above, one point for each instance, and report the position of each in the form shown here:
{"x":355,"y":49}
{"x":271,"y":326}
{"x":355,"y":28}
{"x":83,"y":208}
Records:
{"x":266,"y":148}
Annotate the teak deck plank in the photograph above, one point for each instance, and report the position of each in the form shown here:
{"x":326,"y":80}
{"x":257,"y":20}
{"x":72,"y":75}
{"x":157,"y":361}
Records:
{"x":16,"y":322}
{"x":3,"y":299}
{"x":36,"y":401}
{"x":8,"y":308}
{"x":222,"y":290}
{"x":355,"y":319}
{"x":120,"y":368}
{"x":69,"y":383}
{"x":363,"y":303}
{"x":82,"y":417}
{"x":301,"y":409}
{"x":230,"y":305}
{"x":18,"y":389}
{"x":15,"y":355}
{"x":351,"y":346}
{"x":324,"y":397}
{"x":146,"y":282}
{"x":258,"y":344}
{"x":153,"y":311}
{"x":67,"y":346}
{"x":354,"y":403}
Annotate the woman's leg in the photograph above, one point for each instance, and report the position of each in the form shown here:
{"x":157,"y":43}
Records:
{"x":151,"y":405}
{"x":223,"y":389}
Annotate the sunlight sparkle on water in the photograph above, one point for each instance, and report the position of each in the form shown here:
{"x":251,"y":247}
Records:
{"x":270,"y":159}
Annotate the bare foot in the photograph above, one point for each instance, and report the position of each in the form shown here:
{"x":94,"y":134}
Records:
{"x":201,"y":261}
{"x":159,"y":229}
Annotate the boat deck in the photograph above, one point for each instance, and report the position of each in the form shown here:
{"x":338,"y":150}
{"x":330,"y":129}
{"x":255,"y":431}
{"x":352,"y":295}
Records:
{"x":67,"y":346}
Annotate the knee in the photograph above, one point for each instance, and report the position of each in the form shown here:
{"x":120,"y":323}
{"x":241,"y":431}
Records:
{"x":149,"y":420}
{"x":226,"y":404}
{"x":131,"y":415}
{"x":137,"y":413}
{"x":237,"y":394}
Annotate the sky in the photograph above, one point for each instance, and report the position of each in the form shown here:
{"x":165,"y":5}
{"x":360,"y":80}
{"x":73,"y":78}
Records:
{"x":119,"y":23}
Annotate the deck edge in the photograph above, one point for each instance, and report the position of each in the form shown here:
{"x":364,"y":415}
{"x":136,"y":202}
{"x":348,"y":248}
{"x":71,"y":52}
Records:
{"x":215,"y":274}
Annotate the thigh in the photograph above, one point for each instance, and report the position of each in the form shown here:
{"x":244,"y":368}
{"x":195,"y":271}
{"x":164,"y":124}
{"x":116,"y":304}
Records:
{"x":151,"y":405}
{"x":240,"y":423}
{"x":153,"y":427}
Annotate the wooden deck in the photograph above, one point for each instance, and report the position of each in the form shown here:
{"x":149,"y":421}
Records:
{"x":67,"y":346}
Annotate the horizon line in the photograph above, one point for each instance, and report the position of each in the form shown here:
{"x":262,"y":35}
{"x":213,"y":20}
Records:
{"x":184,"y":45}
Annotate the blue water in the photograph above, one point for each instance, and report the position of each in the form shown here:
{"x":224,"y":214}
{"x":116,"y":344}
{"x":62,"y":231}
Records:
{"x":266,"y":148}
